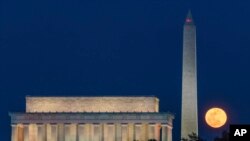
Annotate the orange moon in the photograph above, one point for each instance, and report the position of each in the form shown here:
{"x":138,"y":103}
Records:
{"x":216,"y":117}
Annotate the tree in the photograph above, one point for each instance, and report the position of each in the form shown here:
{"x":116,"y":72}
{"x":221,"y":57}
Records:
{"x":192,"y":137}
{"x":224,"y":137}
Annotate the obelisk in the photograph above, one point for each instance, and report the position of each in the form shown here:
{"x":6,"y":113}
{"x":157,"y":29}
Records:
{"x":189,"y":119}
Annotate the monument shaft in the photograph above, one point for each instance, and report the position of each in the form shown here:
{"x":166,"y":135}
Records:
{"x":189,"y":121}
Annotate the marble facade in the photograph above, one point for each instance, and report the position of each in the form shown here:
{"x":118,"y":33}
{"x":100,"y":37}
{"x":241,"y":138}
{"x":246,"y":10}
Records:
{"x":34,"y":125}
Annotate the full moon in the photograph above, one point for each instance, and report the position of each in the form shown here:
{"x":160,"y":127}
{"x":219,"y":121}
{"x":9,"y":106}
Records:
{"x":216,"y":117}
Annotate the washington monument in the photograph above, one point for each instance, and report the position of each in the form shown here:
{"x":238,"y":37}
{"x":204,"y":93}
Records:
{"x":189,"y":121}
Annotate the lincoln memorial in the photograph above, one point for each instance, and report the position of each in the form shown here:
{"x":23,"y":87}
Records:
{"x":91,"y":119}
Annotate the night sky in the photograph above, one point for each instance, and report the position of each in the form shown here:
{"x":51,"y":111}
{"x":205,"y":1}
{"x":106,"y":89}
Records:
{"x":124,"y":47}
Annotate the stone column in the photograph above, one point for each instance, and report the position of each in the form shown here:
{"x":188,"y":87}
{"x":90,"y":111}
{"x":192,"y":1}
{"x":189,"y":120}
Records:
{"x":124,"y":132}
{"x":26,"y":132}
{"x":33,"y":132}
{"x":151,"y":131}
{"x":157,"y":131}
{"x":77,"y":135}
{"x":118,"y":134}
{"x":80,"y":130}
{"x":14,"y":132}
{"x":97,"y":132}
{"x":90,"y":131}
{"x":54,"y":131}
{"x":131,"y":131}
{"x":70,"y":132}
{"x":166,"y":132}
{"x":73,"y":132}
{"x":105,"y":132}
{"x":111,"y":132}
{"x":83,"y":132}
{"x":48,"y":132}
{"x":144,"y":132}
{"x":61,"y":132}
{"x":138,"y":135}
{"x":20,"y":132}
{"x":41,"y":134}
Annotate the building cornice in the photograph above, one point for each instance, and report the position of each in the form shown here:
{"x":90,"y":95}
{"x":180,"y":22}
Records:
{"x":27,"y":118}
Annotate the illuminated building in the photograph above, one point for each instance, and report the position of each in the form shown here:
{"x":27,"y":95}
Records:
{"x":91,"y":119}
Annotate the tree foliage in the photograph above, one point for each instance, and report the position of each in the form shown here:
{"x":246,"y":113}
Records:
{"x":192,"y":137}
{"x":224,"y":137}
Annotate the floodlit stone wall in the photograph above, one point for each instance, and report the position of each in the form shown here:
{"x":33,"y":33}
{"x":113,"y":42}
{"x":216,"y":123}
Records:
{"x":91,"y":104}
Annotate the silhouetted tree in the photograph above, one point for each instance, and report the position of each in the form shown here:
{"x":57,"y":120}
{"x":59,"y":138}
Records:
{"x":192,"y":137}
{"x":224,"y":137}
{"x":152,"y":140}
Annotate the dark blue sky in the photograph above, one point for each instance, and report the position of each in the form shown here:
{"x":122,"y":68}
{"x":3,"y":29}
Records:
{"x":128,"y":47}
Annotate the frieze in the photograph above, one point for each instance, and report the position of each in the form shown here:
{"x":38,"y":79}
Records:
{"x":90,"y":117}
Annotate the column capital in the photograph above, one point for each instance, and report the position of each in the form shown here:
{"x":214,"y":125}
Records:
{"x":81,"y":124}
{"x":20,"y":125}
{"x":26,"y":125}
{"x":138,"y":124}
{"x":39,"y":124}
{"x":166,"y":125}
{"x":152,"y":124}
{"x":13,"y":125}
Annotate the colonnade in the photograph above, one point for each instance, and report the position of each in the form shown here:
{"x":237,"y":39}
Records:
{"x":91,"y":132}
